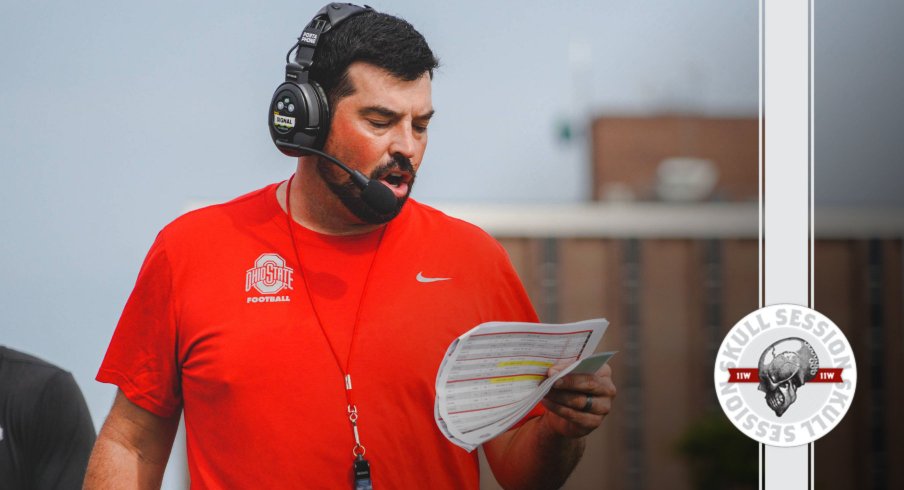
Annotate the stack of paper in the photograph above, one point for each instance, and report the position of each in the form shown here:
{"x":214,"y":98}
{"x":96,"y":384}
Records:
{"x":494,"y":374}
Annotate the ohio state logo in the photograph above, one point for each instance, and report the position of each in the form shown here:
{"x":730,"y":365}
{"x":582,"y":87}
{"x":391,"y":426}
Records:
{"x":785,"y":375}
{"x":269,"y":275}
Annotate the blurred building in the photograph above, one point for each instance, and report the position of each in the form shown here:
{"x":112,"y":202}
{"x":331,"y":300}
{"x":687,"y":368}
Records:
{"x":631,"y":156}
{"x":668,"y":252}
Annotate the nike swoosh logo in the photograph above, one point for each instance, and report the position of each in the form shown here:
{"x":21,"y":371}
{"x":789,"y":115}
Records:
{"x":421,"y":278}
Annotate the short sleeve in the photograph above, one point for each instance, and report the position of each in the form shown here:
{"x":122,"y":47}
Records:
{"x":142,"y":358}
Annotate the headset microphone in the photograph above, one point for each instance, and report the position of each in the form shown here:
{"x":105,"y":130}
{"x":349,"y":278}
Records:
{"x":375,"y":194}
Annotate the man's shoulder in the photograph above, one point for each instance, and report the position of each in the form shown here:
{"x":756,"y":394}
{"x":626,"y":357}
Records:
{"x":217,"y":219}
{"x":427,"y":216}
{"x":429,"y":222}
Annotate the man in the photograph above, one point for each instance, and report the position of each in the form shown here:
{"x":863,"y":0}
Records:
{"x":328,"y":355}
{"x":46,"y":432}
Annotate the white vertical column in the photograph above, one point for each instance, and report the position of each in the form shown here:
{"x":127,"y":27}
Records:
{"x":785,"y":190}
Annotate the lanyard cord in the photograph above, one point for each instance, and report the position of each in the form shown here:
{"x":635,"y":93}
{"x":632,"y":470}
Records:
{"x":358,"y":450}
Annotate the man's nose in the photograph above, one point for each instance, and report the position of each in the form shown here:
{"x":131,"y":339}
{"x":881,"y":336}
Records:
{"x":404,"y":142}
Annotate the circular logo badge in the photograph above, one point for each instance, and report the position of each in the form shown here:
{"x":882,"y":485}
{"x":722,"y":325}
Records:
{"x":785,"y":375}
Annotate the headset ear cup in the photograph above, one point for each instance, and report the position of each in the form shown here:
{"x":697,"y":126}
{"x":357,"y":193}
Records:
{"x":298,"y":118}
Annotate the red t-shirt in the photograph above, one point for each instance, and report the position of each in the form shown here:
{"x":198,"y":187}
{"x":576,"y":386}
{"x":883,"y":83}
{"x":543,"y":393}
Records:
{"x":220,"y":324}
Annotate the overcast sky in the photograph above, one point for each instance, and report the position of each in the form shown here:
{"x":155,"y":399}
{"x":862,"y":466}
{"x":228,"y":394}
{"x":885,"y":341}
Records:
{"x":115,"y":115}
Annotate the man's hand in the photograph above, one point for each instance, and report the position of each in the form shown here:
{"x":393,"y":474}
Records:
{"x":578,"y":403}
{"x":544,"y":451}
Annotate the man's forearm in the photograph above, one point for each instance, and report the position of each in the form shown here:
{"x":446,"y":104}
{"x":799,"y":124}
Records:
{"x":535,"y":456}
{"x":132,"y":448}
{"x":114,"y":466}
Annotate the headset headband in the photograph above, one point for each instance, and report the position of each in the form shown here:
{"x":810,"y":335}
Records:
{"x":327,"y":18}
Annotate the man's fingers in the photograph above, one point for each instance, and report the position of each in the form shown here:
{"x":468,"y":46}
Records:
{"x":587,"y":383}
{"x":556,"y":368}
{"x":584,"y":420}
{"x":569,"y":399}
{"x":605,"y":371}
{"x":599,"y":405}
{"x":608,"y":387}
{"x":578,"y":403}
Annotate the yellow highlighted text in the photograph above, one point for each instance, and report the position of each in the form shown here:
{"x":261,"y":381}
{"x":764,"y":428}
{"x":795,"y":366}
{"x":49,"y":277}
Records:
{"x":513,"y":379}
{"x":524,"y":363}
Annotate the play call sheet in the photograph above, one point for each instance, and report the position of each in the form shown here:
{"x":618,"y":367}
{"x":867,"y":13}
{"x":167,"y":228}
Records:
{"x":494,"y":374}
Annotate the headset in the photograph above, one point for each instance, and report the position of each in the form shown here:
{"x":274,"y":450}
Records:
{"x":299,"y":115}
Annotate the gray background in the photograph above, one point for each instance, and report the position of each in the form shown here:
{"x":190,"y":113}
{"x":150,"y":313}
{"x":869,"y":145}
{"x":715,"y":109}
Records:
{"x":859,"y":106}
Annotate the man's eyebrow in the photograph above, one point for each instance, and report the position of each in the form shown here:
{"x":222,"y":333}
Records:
{"x":427,"y":116}
{"x":376,"y":110}
{"x":381,"y":111}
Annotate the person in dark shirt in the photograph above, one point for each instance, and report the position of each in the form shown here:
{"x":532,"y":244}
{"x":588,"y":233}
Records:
{"x":46,"y":432}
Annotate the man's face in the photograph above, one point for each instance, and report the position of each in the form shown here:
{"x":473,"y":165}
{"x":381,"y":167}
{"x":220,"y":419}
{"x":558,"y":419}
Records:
{"x":381,"y":131}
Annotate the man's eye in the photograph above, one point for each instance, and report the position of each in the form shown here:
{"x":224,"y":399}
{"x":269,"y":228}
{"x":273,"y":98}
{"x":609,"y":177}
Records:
{"x":420,"y":129}
{"x":379,"y":124}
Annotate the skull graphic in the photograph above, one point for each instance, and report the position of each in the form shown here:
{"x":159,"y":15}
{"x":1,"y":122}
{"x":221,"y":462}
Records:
{"x":784,"y":367}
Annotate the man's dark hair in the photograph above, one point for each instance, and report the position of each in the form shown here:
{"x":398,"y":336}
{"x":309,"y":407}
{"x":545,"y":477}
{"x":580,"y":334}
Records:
{"x":380,"y":39}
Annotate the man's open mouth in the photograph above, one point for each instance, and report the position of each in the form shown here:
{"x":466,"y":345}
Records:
{"x":398,"y":181}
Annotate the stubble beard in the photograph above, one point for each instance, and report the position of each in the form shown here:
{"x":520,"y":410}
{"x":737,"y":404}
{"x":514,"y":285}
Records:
{"x":350,"y":196}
